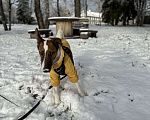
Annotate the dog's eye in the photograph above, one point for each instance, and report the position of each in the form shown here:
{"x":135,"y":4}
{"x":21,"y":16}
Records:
{"x":42,"y":53}
{"x":51,"y":53}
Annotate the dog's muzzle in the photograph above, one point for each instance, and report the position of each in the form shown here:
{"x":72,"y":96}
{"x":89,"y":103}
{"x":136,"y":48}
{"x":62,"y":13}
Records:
{"x":46,"y":70}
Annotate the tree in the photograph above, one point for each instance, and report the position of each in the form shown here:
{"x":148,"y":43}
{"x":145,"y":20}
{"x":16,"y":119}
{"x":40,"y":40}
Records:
{"x":132,"y":11}
{"x":77,"y":8}
{"x":65,"y":11}
{"x":128,"y":11}
{"x":10,"y":4}
{"x":84,"y":6}
{"x":42,"y":16}
{"x":58,"y":10}
{"x":116,"y":10}
{"x":38,"y":14}
{"x":111,"y":11}
{"x":99,"y":9}
{"x":140,"y":6}
{"x":3,"y":16}
{"x":46,"y":13}
{"x":23,"y":12}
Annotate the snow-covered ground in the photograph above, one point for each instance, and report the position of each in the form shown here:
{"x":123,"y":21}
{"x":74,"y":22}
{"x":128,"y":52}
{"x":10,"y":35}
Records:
{"x":114,"y":71}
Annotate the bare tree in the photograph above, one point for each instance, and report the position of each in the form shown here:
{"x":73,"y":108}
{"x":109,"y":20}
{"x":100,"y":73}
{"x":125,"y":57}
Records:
{"x":3,"y":16}
{"x":140,"y":6}
{"x":10,"y":4}
{"x":77,"y":8}
{"x":46,"y":13}
{"x":86,"y":7}
{"x":31,"y":7}
{"x":38,"y":14}
{"x":58,"y":10}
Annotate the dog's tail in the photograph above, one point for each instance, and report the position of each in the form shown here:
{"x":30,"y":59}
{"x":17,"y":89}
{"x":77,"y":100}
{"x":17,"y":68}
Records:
{"x":60,"y":33}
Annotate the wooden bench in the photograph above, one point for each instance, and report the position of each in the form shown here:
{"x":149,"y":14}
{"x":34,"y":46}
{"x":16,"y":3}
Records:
{"x":91,"y":33}
{"x":46,"y":32}
{"x":84,"y":35}
{"x":82,"y":23}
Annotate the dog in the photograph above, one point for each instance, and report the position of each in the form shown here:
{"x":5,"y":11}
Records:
{"x":56,"y":61}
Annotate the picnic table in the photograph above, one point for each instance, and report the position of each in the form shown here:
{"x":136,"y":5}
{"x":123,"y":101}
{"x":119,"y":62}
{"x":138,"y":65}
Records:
{"x":65,"y":23}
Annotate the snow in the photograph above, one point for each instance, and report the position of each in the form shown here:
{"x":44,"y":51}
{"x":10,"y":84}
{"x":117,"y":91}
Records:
{"x":113,"y":70}
{"x":84,"y":33}
{"x":63,"y":18}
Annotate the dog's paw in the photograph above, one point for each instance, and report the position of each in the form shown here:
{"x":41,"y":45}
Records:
{"x":57,"y":100}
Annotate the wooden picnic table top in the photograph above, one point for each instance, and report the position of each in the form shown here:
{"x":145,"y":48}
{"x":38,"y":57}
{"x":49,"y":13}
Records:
{"x":40,"y":31}
{"x":64,"y":18}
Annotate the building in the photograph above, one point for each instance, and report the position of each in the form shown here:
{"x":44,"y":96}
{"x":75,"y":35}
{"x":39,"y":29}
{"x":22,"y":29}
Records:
{"x":94,"y":17}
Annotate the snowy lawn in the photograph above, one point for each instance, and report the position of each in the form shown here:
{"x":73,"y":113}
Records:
{"x":114,"y":71}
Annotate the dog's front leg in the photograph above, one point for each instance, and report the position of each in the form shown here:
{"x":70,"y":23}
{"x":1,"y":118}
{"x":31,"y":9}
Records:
{"x":56,"y":95}
{"x":79,"y":90}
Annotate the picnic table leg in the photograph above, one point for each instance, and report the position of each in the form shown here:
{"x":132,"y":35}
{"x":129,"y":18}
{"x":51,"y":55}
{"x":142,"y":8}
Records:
{"x":46,"y":35}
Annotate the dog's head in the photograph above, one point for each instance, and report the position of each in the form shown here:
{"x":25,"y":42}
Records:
{"x":47,"y":50}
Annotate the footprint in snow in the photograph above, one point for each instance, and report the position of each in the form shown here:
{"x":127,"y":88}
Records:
{"x":130,"y":96}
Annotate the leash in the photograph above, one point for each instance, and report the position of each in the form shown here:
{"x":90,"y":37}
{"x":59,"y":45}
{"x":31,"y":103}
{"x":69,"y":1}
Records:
{"x":8,"y":100}
{"x":37,"y":104}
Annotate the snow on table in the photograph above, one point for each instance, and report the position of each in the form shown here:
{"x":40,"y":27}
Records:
{"x":113,"y":70}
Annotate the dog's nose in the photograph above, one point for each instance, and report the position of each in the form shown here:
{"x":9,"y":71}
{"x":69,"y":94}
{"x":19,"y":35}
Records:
{"x":46,"y":70}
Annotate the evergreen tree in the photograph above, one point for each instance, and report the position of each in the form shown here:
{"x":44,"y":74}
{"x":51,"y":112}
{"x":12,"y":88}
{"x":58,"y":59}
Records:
{"x":23,"y":12}
{"x":111,"y":10}
{"x":115,"y":10}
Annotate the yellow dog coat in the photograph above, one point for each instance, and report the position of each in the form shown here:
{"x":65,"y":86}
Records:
{"x":70,"y":70}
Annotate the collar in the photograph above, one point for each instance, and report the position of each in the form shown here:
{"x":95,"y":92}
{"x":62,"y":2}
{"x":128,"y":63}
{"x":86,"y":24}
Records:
{"x":59,"y":58}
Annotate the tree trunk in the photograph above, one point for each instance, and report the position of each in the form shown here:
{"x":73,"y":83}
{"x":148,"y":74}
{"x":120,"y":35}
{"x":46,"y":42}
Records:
{"x":141,"y":8}
{"x":116,"y":21}
{"x":31,"y":4}
{"x":86,"y":7}
{"x":3,"y":16}
{"x":38,"y":14}
{"x":124,"y":20}
{"x":99,"y":10}
{"x":77,"y":8}
{"x":46,"y":14}
{"x":143,"y":12}
{"x":58,"y":11}
{"x":10,"y":14}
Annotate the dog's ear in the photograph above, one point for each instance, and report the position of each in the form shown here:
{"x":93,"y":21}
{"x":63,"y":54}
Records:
{"x":56,"y":42}
{"x":38,"y":37}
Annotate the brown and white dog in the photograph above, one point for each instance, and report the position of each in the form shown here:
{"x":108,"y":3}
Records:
{"x":50,"y":53}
